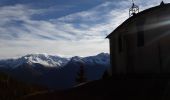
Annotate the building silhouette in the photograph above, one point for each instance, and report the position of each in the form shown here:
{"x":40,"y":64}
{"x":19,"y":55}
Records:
{"x":141,"y":44}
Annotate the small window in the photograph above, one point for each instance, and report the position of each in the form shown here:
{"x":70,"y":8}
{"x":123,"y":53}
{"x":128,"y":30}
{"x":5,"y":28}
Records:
{"x":120,"y":43}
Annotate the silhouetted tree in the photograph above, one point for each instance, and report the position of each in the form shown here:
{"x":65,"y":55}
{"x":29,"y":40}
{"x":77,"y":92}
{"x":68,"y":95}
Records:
{"x":105,"y":75}
{"x":81,"y":75}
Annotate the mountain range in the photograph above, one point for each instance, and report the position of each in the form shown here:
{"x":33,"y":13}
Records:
{"x":55,"y":72}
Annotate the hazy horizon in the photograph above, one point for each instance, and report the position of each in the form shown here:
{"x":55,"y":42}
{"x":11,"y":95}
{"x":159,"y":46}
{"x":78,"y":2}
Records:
{"x":63,"y":56}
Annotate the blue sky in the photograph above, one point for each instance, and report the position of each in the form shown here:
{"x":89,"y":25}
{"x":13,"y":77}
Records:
{"x":61,"y":27}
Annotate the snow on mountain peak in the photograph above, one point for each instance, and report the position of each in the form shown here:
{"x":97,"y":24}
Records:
{"x":31,"y":59}
{"x":44,"y":59}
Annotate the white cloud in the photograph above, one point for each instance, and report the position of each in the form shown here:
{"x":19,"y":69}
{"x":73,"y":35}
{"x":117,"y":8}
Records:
{"x":81,"y":33}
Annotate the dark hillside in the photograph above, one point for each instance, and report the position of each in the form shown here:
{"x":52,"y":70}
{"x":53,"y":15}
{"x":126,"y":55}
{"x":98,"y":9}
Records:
{"x":11,"y":89}
{"x":110,"y":89}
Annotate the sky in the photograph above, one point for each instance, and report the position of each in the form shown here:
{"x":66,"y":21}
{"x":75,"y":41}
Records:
{"x":61,"y":27}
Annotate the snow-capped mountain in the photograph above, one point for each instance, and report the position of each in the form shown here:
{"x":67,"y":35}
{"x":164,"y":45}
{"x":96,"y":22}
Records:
{"x":54,"y":61}
{"x":101,"y":58}
{"x":43,"y":59}
{"x":54,"y":71}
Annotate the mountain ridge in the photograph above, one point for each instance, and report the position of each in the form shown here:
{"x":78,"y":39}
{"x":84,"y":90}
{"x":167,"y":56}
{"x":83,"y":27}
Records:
{"x":53,"y":71}
{"x":48,"y":60}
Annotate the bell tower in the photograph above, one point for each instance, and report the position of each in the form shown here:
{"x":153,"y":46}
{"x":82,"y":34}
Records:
{"x":162,"y":3}
{"x":134,"y":9}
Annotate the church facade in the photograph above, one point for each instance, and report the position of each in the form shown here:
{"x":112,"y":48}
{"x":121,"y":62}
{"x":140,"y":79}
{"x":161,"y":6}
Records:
{"x":141,"y":44}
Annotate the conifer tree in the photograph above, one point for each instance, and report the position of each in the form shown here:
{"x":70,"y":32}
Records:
{"x":81,"y":75}
{"x":105,"y":75}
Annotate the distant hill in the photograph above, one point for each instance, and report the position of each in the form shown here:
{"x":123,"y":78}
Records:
{"x":53,"y":71}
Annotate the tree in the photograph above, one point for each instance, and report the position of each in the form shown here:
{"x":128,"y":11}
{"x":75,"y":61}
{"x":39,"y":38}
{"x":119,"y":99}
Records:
{"x":105,"y":75}
{"x":81,"y":75}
